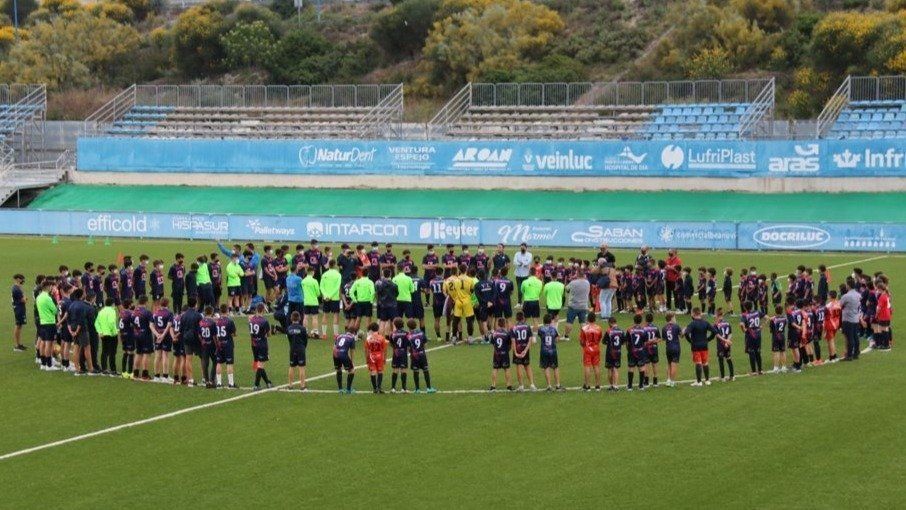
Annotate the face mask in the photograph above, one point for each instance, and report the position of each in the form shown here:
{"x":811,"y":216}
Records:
{"x":522,"y":250}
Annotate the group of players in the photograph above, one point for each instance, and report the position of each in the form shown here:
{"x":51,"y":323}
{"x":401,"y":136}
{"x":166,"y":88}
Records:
{"x":81,"y":313}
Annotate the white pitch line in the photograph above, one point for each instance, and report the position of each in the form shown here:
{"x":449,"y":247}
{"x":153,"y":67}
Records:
{"x":171,"y":414}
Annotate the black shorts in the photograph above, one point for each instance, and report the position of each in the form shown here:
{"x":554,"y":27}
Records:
{"x":297,"y":357}
{"x":524,"y":361}
{"x":404,"y":308}
{"x":883,"y":324}
{"x":190,"y":346}
{"x":778,"y":345}
{"x":418,"y":312}
{"x":20,"y":315}
{"x":260,"y":352}
{"x":753,"y":344}
{"x":482,"y":313}
{"x":653,"y":355}
{"x":331,"y":306}
{"x":350,"y":313}
{"x":144,"y":345}
{"x":531,"y":309}
{"x":165,"y":345}
{"x":418,"y":361}
{"x":47,"y":332}
{"x":387,"y":313}
{"x":554,"y":312}
{"x":549,"y":360}
{"x":723,"y":352}
{"x":399,"y":360}
{"x":364,"y":310}
{"x":637,"y":358}
{"x":269,"y":282}
{"x":311,"y":310}
{"x":81,"y":339}
{"x":128,"y":343}
{"x":503,"y":310}
{"x":612,"y":359}
{"x":224,"y":353}
{"x":345,"y":363}
{"x":673,"y":355}
{"x":179,"y":348}
{"x":792,"y":343}
{"x":437,"y":306}
{"x":500,"y":360}
{"x":234,"y":290}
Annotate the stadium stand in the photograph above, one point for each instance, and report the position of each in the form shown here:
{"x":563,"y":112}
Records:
{"x":23,"y":112}
{"x":251,"y":111}
{"x":866,"y":107}
{"x":699,"y":110}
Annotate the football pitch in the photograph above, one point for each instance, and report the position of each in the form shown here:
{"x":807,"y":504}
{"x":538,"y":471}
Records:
{"x":829,"y":437}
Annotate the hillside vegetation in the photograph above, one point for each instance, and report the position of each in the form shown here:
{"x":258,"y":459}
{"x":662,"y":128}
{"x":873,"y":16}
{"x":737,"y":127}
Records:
{"x":435,"y":46}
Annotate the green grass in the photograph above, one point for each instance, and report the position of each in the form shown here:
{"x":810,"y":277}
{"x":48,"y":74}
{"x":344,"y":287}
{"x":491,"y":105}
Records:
{"x":829,"y":437}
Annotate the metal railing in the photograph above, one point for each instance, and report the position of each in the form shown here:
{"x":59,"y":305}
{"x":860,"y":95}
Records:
{"x":7,"y":157}
{"x":760,"y":109}
{"x":837,"y":102}
{"x":877,"y":88}
{"x":617,"y":93}
{"x":22,"y":118}
{"x":110,"y":112}
{"x":385,"y":119}
{"x":451,"y":112}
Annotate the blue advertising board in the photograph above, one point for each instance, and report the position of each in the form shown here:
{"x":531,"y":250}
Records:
{"x":657,"y":234}
{"x":607,"y":158}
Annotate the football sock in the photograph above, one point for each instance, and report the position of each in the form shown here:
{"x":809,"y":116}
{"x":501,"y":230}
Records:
{"x":817,"y":344}
{"x":145,"y":374}
{"x":393,"y":379}
{"x":631,"y":376}
{"x":157,"y":375}
{"x":758,"y":359}
{"x":373,"y":382}
{"x":349,"y":381}
{"x":380,"y":380}
{"x":730,"y":367}
{"x":257,"y":377}
{"x":707,"y":370}
{"x":219,"y":379}
{"x":655,"y":381}
{"x":166,"y":376}
{"x":340,"y":379}
{"x":403,"y":377}
{"x":698,"y":373}
{"x":720,"y":365}
{"x":428,"y":379}
{"x":417,"y":378}
{"x":230,"y":379}
{"x":752,"y":361}
{"x":642,"y":382}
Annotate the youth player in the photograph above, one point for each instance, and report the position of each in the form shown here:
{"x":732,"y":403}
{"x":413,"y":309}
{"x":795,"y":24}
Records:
{"x":671,"y":334}
{"x":207,"y":334}
{"x":724,"y":345}
{"x":832,"y":324}
{"x":699,"y":333}
{"x":162,"y":329}
{"x":459,"y":290}
{"x":298,"y":342}
{"x":418,"y":356}
{"x":549,"y":359}
{"x":343,"y":353}
{"x":259,"y":329}
{"x":399,"y":362}
{"x":637,"y":355}
{"x":522,"y":343}
{"x":750,"y":323}
{"x":438,"y":300}
{"x":226,"y":331}
{"x":375,"y":351}
{"x":127,"y":339}
{"x":590,"y":337}
{"x":144,"y":340}
{"x":614,"y":351}
{"x":501,"y":340}
{"x":652,"y":337}
{"x":778,"y":326}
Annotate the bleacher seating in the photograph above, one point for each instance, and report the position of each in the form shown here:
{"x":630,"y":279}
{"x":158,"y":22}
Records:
{"x":719,"y":121}
{"x":870,"y":120}
{"x":707,"y":110}
{"x":258,"y":122}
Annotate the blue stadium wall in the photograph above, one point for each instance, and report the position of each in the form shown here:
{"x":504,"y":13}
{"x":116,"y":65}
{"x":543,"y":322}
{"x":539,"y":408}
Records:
{"x":678,"y":158}
{"x":707,"y":235}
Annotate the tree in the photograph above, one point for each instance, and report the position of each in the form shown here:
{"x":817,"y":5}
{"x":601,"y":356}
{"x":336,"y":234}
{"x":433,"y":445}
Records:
{"x":196,"y":49}
{"x":709,"y":63}
{"x":79,"y":50}
{"x":401,"y":30}
{"x":248,"y":45}
{"x":769,"y":15}
{"x":113,"y":10}
{"x":23,"y":9}
{"x":810,"y":91}
{"x":479,"y":35}
{"x":301,"y":57}
{"x":858,"y":43}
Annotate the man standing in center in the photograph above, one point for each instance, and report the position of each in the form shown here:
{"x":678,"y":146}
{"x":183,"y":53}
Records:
{"x":523,"y":262}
